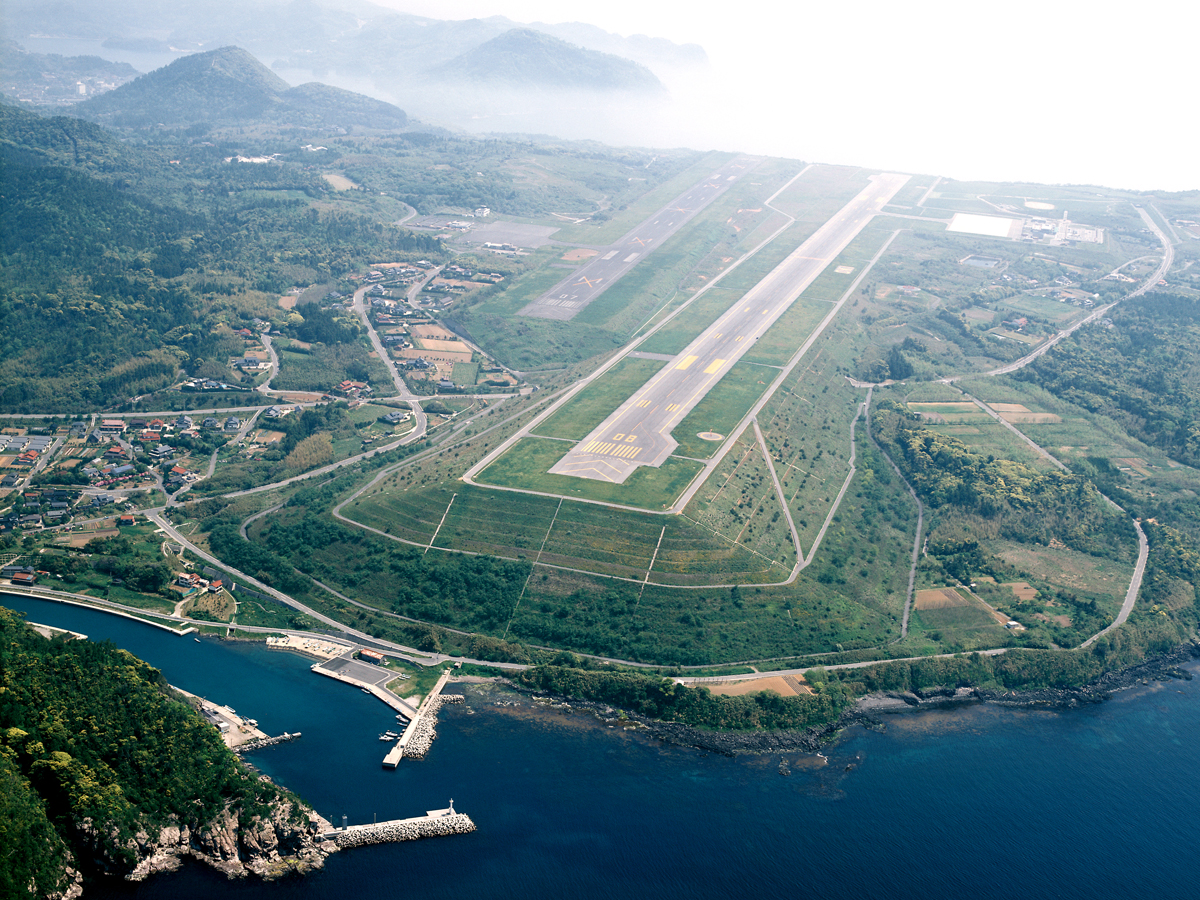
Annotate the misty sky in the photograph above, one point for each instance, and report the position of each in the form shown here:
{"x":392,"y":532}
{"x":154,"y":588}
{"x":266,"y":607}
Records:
{"x":1067,"y":92}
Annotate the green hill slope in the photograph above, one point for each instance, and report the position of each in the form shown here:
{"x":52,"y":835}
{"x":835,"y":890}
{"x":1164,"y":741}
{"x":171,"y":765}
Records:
{"x":228,"y":86}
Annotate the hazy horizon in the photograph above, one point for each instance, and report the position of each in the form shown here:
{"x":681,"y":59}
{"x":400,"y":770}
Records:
{"x":1037,"y":92}
{"x":1055,"y":94}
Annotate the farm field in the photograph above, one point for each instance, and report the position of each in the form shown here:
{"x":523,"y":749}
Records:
{"x":1069,"y":569}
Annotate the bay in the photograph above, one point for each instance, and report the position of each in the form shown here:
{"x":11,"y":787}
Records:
{"x":972,"y":800}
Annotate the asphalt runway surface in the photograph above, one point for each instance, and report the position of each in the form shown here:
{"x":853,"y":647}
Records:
{"x":577,"y":290}
{"x":639,"y":432}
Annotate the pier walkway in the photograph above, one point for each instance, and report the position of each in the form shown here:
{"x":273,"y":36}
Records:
{"x":415,"y":726}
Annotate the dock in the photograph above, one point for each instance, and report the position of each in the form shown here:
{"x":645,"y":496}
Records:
{"x":368,"y":677}
{"x":235,"y":730}
{"x":418,"y":725}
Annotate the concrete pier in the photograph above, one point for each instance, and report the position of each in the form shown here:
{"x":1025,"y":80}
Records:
{"x":369,"y":678}
{"x":419,"y":733}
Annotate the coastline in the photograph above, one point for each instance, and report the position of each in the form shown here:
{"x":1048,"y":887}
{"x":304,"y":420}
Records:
{"x":867,"y":710}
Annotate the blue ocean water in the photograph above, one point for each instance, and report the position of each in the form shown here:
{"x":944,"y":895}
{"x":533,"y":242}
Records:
{"x":969,"y":801}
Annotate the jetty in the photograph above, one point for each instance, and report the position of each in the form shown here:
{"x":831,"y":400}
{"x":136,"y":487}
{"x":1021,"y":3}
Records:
{"x":259,"y":743}
{"x":435,"y":823}
{"x":419,"y":733}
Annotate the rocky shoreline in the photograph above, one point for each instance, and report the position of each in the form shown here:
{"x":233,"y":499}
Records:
{"x":268,"y":847}
{"x":866,"y":711}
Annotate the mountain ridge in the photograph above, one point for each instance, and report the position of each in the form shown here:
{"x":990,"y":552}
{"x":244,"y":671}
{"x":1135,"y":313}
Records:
{"x":230,"y":84}
{"x":526,"y":57}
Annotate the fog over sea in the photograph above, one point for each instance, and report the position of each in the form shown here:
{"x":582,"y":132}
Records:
{"x":970,"y":801}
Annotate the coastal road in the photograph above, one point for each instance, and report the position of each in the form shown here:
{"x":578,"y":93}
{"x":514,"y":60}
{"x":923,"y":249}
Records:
{"x":639,"y":432}
{"x":1135,"y":585}
{"x":577,"y":290}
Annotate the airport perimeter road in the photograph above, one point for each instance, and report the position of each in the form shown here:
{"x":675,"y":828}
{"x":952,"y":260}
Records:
{"x":580,"y":288}
{"x":639,"y":432}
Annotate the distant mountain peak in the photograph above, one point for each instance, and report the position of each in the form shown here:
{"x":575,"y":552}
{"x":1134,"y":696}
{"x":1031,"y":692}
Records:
{"x":525,"y":57}
{"x":231,"y":85}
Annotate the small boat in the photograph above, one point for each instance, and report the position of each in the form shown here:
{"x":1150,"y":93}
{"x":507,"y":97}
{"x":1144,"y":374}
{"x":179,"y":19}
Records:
{"x":197,"y":640}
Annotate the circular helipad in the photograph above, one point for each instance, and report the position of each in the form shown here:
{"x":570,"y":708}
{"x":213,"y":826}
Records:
{"x":710,"y":436}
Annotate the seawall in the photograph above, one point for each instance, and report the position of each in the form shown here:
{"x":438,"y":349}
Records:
{"x":437,"y":825}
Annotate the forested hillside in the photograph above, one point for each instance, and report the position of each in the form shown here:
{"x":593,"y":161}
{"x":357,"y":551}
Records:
{"x":94,"y":750}
{"x":1142,"y":371}
{"x":115,"y":269}
{"x":227,"y":86}
{"x":1026,"y":504}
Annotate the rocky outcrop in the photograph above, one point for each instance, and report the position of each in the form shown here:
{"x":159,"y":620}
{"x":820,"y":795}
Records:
{"x":268,"y":847}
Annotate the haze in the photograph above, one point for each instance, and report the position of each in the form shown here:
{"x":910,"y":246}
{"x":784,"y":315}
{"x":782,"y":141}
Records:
{"x":1058,"y":93}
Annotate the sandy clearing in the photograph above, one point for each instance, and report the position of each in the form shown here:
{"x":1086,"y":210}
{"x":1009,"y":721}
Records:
{"x":776,"y":683}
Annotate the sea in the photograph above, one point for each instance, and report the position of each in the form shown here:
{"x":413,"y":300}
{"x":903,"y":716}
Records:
{"x":972,"y":800}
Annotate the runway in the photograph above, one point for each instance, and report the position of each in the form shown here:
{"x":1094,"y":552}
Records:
{"x":577,"y":290}
{"x":638,"y":433}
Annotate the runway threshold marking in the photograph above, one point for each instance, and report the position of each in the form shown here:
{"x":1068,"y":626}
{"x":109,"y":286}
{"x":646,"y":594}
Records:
{"x":609,"y":255}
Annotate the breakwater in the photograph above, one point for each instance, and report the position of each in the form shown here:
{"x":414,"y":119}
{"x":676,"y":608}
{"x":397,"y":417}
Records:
{"x":438,"y":824}
{"x":259,"y":743}
{"x":424,"y":728}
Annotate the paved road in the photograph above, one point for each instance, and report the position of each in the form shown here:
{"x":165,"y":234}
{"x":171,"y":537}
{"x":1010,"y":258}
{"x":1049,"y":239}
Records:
{"x":583,"y":286}
{"x":639,"y":432}
{"x":1159,"y":273}
{"x":413,"y":401}
{"x":265,"y":387}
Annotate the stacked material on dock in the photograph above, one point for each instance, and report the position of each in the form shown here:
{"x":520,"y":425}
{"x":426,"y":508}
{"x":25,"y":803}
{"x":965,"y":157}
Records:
{"x":424,"y":729}
{"x":308,"y":646}
{"x":404,"y":830}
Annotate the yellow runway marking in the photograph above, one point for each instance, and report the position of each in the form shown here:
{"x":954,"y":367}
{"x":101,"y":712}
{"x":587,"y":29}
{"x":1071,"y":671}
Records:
{"x":688,"y":360}
{"x":713,"y":366}
{"x":671,"y":407}
{"x":738,"y":338}
{"x":644,"y":404}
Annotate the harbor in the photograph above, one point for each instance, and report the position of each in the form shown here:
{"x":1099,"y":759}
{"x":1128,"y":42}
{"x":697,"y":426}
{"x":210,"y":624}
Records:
{"x":236,"y":731}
